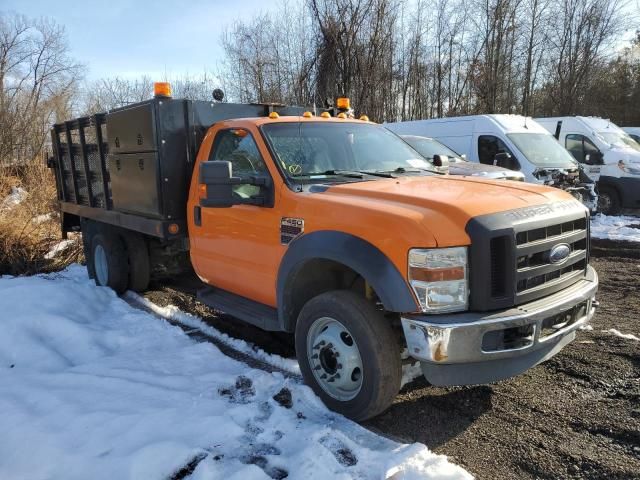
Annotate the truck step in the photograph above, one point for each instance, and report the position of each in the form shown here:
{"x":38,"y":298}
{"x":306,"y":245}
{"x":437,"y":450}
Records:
{"x":258,"y":314}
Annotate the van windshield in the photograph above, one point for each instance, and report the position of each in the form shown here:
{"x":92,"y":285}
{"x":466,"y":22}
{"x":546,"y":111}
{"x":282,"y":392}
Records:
{"x":428,"y":147}
{"x":619,"y":139}
{"x":308,"y":149}
{"x":542,"y":149}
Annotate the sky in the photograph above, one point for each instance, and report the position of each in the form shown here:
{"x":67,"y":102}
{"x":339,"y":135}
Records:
{"x":129,"y":38}
{"x":160,"y":39}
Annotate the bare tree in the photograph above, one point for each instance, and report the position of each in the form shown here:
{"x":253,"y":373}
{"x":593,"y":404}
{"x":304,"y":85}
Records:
{"x":37,"y":80}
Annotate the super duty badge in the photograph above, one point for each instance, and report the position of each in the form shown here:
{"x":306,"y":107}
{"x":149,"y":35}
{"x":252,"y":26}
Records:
{"x":290,"y":228}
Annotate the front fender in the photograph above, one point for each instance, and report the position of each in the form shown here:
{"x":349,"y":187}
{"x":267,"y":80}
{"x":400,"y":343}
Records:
{"x":359,"y":255}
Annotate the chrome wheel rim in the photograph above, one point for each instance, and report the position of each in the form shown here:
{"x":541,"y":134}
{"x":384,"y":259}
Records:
{"x":100,"y":265}
{"x":334,"y":358}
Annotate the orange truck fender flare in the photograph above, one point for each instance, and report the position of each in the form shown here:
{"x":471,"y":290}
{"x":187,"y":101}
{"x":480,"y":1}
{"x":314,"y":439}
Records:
{"x":353,"y":252}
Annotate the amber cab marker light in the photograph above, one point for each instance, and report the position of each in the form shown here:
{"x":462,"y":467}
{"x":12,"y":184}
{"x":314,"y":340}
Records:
{"x":162,"y":89}
{"x":325,"y":115}
{"x":307,"y":115}
{"x":364,"y":118}
{"x":274,"y":115}
{"x":343,"y":103}
{"x":342,"y":115}
{"x":173,"y":228}
{"x":202,"y":191}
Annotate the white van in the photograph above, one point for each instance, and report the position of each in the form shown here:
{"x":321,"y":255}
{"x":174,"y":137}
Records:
{"x":633,"y":132}
{"x":510,"y":141}
{"x":610,"y":157}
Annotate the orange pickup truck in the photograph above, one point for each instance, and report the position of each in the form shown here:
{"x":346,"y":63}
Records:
{"x":332,"y":229}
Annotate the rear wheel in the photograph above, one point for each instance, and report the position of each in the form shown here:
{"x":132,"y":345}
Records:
{"x":109,"y":261}
{"x":348,"y":354}
{"x":608,"y":201}
{"x":139,"y":262}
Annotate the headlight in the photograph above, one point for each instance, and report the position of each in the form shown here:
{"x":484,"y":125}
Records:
{"x":438,"y":277}
{"x":630,"y":169}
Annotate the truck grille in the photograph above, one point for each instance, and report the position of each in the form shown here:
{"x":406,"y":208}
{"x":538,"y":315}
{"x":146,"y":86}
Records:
{"x":510,"y":254}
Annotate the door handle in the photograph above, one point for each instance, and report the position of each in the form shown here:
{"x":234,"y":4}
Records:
{"x":197,"y":215}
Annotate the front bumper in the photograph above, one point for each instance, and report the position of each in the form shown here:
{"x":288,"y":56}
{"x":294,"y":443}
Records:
{"x":473,"y":348}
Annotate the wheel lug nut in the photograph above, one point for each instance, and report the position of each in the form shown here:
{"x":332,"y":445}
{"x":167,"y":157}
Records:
{"x":319,"y":344}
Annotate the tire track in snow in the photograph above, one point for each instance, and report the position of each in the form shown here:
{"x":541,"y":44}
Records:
{"x":373,"y":439}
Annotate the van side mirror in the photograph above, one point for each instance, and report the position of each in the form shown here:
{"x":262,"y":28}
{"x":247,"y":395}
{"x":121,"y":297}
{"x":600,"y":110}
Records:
{"x":218,"y":177}
{"x":505,"y":160}
{"x":441,"y":161}
{"x":594,"y":158}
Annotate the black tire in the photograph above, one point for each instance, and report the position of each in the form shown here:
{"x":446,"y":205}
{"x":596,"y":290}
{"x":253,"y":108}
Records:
{"x":377,"y":345}
{"x":138,"y":258}
{"x":608,"y":201}
{"x":88,"y":231}
{"x":117,"y":268}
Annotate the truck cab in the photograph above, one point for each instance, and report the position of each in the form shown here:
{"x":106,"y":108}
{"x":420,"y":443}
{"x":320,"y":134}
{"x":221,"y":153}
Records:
{"x":336,"y":231}
{"x":509,"y":141}
{"x":609,"y":155}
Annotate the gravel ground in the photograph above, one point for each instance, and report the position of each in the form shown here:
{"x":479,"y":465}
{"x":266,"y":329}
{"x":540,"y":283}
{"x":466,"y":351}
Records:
{"x":576,"y":416}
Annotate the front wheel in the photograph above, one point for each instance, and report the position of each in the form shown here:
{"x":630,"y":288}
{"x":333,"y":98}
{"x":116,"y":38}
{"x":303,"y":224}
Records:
{"x":348,"y":354}
{"x":608,"y":201}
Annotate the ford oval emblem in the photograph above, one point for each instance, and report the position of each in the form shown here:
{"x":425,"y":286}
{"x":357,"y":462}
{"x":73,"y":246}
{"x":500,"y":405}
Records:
{"x":559,"y":253}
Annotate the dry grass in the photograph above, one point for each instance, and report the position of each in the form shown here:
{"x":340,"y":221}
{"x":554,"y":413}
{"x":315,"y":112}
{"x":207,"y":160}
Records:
{"x":32,"y":228}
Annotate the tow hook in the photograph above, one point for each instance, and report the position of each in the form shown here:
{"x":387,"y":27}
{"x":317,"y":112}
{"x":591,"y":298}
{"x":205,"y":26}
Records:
{"x":595,"y":303}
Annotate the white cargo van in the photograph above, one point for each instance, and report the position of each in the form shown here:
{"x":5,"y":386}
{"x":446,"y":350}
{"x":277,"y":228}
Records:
{"x":510,"y":141}
{"x":634,"y":132}
{"x":610,"y":157}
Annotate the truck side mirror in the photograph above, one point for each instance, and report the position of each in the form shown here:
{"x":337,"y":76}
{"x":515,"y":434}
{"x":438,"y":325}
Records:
{"x":505,"y":160}
{"x":218,"y":176}
{"x":441,"y":161}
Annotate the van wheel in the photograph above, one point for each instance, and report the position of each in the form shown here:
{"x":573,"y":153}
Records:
{"x":109,"y":259}
{"x":138,"y":258}
{"x":608,"y":201}
{"x":348,"y":354}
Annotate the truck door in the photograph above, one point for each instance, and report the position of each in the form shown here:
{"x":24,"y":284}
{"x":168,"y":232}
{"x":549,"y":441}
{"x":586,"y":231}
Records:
{"x":586,"y":153}
{"x":237,"y":248}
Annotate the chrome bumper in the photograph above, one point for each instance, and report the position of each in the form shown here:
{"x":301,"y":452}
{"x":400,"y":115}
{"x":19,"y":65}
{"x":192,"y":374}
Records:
{"x":501,"y":344}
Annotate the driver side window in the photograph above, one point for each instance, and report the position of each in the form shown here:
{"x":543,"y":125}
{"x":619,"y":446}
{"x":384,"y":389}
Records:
{"x":488,"y":147}
{"x":237,"y":146}
{"x":580,"y":146}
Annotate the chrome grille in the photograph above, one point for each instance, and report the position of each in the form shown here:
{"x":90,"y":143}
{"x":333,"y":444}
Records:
{"x":536,"y":274}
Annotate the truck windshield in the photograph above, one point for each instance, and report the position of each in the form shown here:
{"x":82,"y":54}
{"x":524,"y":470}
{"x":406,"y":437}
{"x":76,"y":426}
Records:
{"x":428,"y":147}
{"x":542,"y":149}
{"x":309,"y":149}
{"x":619,"y":139}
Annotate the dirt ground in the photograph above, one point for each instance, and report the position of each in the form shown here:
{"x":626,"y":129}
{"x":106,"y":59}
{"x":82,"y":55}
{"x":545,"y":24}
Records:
{"x":576,"y":416}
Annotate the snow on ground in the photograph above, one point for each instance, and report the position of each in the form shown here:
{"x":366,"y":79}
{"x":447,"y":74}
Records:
{"x":616,"y":228}
{"x":42,"y":218}
{"x":16,"y":197}
{"x":91,"y":387}
{"x":618,"y":333}
{"x":58,"y":248}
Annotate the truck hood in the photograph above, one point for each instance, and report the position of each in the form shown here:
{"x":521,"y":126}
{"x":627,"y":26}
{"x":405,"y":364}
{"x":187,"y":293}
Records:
{"x":443,"y":205}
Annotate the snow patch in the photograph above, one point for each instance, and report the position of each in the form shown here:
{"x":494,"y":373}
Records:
{"x":42,"y":218}
{"x":16,"y":197}
{"x":91,"y":387}
{"x":58,"y":248}
{"x":618,"y":333}
{"x":623,"y":228}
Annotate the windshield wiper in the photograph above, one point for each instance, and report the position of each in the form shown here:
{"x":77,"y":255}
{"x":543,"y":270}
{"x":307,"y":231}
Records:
{"x":404,"y":170}
{"x":350,"y":173}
